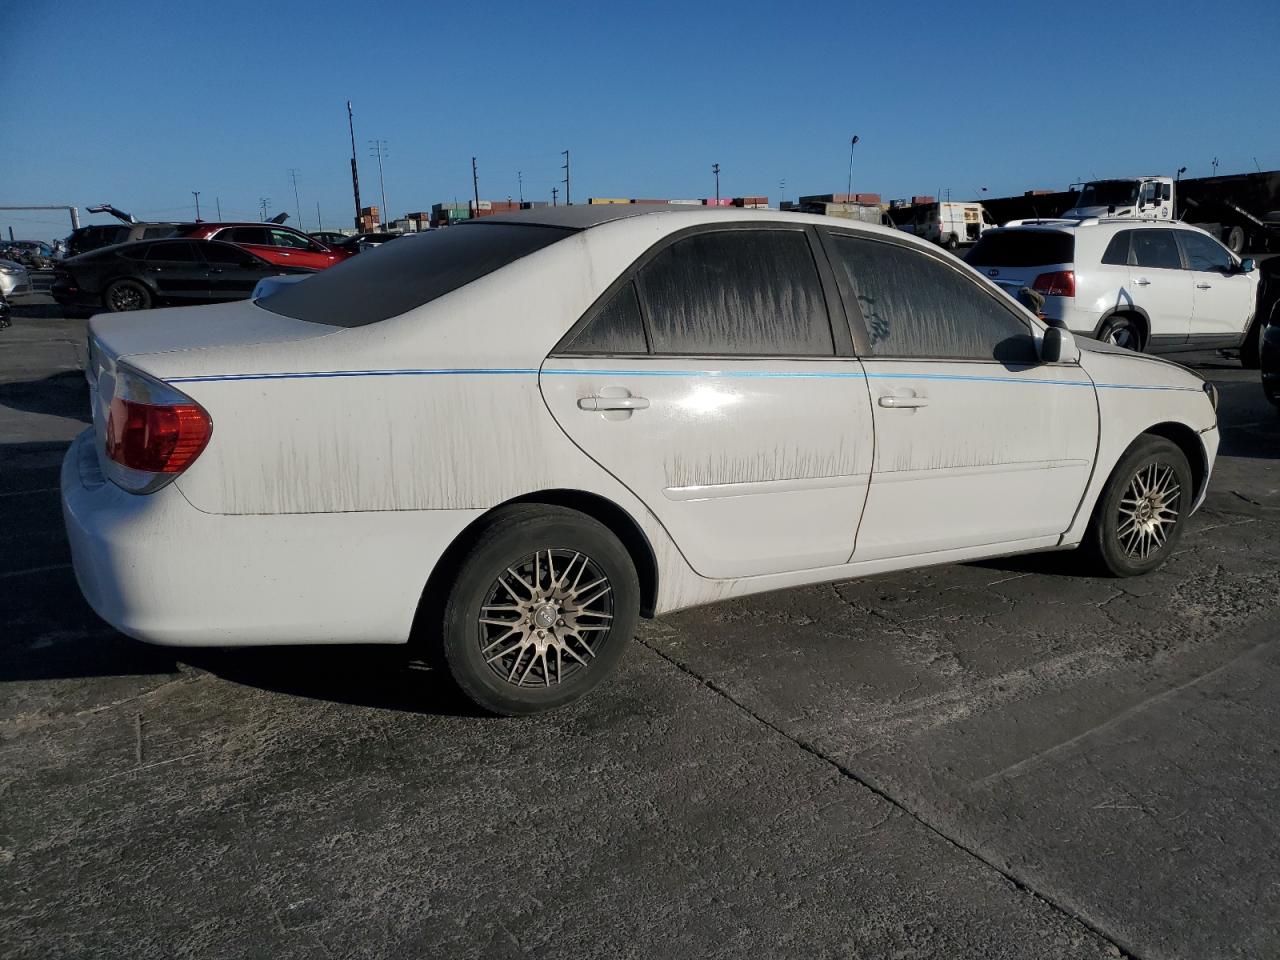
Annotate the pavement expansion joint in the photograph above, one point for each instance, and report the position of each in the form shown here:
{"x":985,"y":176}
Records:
{"x":1022,"y":884}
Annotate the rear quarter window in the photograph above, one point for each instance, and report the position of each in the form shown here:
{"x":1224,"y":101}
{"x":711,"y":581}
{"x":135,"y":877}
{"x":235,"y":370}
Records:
{"x":1023,"y":248}
{"x":397,"y":277}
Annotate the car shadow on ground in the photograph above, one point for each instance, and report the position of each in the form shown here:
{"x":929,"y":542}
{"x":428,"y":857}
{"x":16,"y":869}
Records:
{"x":62,"y":394}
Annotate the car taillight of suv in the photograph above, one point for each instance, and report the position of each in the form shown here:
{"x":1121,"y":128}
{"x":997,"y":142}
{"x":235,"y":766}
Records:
{"x":1060,"y":283}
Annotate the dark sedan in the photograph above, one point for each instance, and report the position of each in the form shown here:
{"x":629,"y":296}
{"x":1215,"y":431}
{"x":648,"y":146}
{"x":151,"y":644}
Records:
{"x":135,"y":276}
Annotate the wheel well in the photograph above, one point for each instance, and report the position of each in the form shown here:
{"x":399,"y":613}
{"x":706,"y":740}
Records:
{"x":1139,"y":320}
{"x":1188,"y":441}
{"x":597,"y":507}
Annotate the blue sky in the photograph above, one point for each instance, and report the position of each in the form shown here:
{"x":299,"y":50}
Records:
{"x":137,"y":104}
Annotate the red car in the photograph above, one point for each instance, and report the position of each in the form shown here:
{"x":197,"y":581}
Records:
{"x":274,"y":243}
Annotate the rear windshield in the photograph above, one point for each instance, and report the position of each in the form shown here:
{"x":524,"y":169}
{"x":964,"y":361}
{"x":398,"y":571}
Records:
{"x":396,"y":277}
{"x":1022,"y":248}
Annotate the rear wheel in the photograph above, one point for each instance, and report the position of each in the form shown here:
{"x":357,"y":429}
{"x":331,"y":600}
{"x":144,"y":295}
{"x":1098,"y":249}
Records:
{"x":1123,"y":331}
{"x":126,"y":295}
{"x":1138,"y":520}
{"x":541,"y":610}
{"x":1234,"y":239}
{"x":952,"y":242}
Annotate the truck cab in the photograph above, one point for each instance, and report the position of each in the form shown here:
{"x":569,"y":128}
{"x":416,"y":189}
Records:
{"x":1145,"y":198}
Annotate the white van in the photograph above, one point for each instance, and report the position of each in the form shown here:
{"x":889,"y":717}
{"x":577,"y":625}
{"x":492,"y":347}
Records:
{"x":949,"y":224}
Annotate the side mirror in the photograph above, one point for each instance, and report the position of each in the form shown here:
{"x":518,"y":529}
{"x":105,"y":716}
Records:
{"x":1059,"y":346}
{"x":1248,"y":266}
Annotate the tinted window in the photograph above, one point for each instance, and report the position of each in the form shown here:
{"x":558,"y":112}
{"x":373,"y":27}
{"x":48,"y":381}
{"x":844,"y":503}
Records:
{"x":155,"y":233}
{"x":178,"y":250}
{"x":1155,"y":248}
{"x":226,"y":254}
{"x":1022,"y":248}
{"x":408,"y":273}
{"x":741,"y":292}
{"x":256,"y":235}
{"x":617,"y":328}
{"x":1203,"y":253}
{"x":1117,"y":252}
{"x":915,"y":305}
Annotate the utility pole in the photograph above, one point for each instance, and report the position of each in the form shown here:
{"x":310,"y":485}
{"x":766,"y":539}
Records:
{"x":555,"y":192}
{"x":715,"y":168}
{"x":378,"y":148}
{"x":782,"y":190}
{"x":475,"y":185}
{"x":355,"y":177}
{"x":218,"y":201}
{"x":297,"y":204}
{"x":520,"y":181}
{"x":319,"y":222}
{"x":196,"y":194}
{"x":264,"y":202}
{"x":567,"y":201}
{"x":1215,"y":166}
{"x":849,"y":186}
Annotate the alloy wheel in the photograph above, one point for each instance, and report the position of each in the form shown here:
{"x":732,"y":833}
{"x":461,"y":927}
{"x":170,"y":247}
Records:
{"x":1148,"y":510}
{"x":545,"y":618}
{"x":126,"y":298}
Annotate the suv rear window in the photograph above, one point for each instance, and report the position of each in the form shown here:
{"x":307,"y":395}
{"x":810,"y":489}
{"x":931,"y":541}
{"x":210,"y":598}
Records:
{"x":400,"y":276}
{"x":1023,"y":248}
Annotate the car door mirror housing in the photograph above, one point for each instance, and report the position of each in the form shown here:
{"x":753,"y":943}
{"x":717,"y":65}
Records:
{"x":1248,"y":266}
{"x":1059,"y":346}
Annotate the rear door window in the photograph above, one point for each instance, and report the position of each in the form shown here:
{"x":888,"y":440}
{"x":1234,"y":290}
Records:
{"x":915,"y":305}
{"x":1157,"y":249}
{"x":256,"y":235}
{"x":737,"y":293}
{"x":174,"y":251}
{"x":1023,"y":248}
{"x":408,"y":273}
{"x":1117,"y":252}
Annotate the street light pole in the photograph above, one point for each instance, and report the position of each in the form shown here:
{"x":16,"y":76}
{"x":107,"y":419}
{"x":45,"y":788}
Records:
{"x":379,"y":149}
{"x":849,"y":186}
{"x":297,"y":204}
{"x":715,"y":168}
{"x":196,"y":194}
{"x":355,"y":176}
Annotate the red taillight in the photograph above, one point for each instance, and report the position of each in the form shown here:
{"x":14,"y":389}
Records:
{"x":1059,"y":284}
{"x":156,"y":438}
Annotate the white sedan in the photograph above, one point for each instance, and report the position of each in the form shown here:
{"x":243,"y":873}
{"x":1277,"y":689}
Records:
{"x":507,"y":440}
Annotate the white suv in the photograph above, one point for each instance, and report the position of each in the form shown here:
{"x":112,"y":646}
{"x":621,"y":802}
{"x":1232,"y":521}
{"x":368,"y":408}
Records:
{"x":1146,"y":285}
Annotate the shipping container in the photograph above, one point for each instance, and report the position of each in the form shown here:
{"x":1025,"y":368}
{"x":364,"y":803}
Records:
{"x":918,"y":201}
{"x":606,"y":200}
{"x":686,"y":203}
{"x":634,"y":200}
{"x":713,"y":202}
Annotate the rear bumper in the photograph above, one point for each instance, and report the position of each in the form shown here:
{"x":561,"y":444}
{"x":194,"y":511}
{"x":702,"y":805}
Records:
{"x":159,"y":570}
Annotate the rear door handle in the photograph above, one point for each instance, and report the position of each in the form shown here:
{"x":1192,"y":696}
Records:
{"x":903,"y":403}
{"x":613,"y":403}
{"x":1204,"y":286}
{"x":1142,"y":282}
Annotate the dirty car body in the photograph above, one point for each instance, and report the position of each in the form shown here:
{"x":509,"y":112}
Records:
{"x":700,"y":404}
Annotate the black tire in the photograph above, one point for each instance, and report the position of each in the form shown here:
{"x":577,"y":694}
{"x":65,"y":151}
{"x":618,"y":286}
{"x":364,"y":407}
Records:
{"x":1251,"y":346}
{"x":1233,"y":239}
{"x":952,"y":243}
{"x":124,"y":295}
{"x":1109,"y":547}
{"x":1123,"y":331}
{"x":514,"y":540}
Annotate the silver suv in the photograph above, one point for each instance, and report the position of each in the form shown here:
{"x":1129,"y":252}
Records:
{"x":1146,"y":285}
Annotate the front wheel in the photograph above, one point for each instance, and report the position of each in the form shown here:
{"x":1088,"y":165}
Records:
{"x":541,"y":610}
{"x":1138,"y":520}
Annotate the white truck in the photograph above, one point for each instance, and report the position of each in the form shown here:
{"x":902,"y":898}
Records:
{"x":1241,"y":210}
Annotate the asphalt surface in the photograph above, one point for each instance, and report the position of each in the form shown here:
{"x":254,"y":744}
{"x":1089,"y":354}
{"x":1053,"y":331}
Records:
{"x":1003,"y":759}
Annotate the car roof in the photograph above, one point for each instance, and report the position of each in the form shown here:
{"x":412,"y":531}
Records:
{"x":585,"y":216}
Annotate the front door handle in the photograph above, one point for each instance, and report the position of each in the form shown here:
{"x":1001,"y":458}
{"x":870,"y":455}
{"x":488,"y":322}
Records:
{"x":1204,"y":286}
{"x":613,"y":403}
{"x":903,"y":403}
{"x":1142,"y":282}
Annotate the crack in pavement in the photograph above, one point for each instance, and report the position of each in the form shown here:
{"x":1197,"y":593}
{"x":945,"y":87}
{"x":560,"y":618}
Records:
{"x":1025,"y":885}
